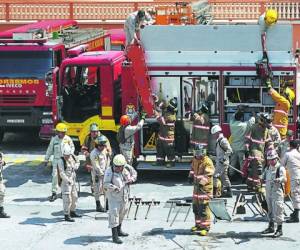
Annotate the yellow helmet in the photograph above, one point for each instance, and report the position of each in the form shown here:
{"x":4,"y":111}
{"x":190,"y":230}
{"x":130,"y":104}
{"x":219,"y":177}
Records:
{"x":290,"y":94}
{"x":61,"y":127}
{"x":271,"y":16}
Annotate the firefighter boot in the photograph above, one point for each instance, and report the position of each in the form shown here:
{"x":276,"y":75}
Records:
{"x":99,"y":207}
{"x":294,"y":217}
{"x":68,"y":218}
{"x":278,"y":232}
{"x":270,"y":229}
{"x":120,"y":232}
{"x":74,"y":215}
{"x":227,"y":193}
{"x":3,"y":214}
{"x":115,"y":236}
{"x":53,"y":197}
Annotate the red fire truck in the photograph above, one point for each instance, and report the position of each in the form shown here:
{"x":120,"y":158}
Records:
{"x":196,"y":64}
{"x":28,"y":56}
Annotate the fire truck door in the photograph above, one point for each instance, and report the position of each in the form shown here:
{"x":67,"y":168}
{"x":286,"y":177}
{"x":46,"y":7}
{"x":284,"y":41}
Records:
{"x":56,"y":99}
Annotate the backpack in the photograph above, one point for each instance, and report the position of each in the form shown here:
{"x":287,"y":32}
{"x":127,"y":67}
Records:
{"x":121,"y":135}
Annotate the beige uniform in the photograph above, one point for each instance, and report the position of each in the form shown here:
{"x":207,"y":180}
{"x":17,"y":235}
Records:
{"x":68,"y":185}
{"x":291,"y":160}
{"x":2,"y":187}
{"x":116,"y":186}
{"x":223,"y":151}
{"x":55,"y":149}
{"x":275,"y":192}
{"x":128,"y":147}
{"x":100,"y":161}
{"x":274,"y":138}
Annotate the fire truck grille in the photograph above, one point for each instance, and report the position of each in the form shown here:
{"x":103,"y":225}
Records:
{"x":10,"y":99}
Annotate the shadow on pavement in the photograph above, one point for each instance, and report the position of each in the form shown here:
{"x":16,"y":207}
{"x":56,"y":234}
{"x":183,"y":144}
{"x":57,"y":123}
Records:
{"x":39,"y":221}
{"x":41,"y":199}
{"x":87,"y":239}
{"x":79,"y":211}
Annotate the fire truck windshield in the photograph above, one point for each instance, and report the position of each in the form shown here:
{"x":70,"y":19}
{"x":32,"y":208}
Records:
{"x":25,"y":64}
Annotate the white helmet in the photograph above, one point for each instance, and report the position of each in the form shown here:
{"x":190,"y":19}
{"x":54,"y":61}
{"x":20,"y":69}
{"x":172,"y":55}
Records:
{"x":67,"y":150}
{"x":215,"y":129}
{"x":272,"y":154}
{"x":119,"y":160}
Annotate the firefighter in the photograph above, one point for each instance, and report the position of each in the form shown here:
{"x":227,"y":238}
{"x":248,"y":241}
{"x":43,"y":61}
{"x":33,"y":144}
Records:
{"x":166,"y":135}
{"x":238,"y":130}
{"x":100,"y":159}
{"x":201,"y":175}
{"x":116,"y":184}
{"x":223,"y":151}
{"x":291,"y":160}
{"x":67,"y":166}
{"x":275,"y":178}
{"x":134,"y":22}
{"x":55,"y":148}
{"x":267,"y":19}
{"x":126,"y":136}
{"x":255,"y":145}
{"x":282,"y":107}
{"x":285,"y":144}
{"x":2,"y":189}
{"x":274,"y":136}
{"x":89,"y":144}
{"x":200,"y":128}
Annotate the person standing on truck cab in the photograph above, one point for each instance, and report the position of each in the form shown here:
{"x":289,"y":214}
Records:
{"x":89,"y":144}
{"x":200,"y":129}
{"x":134,"y":22}
{"x":166,"y":135}
{"x":126,"y":134}
{"x":55,"y":148}
{"x":2,"y":188}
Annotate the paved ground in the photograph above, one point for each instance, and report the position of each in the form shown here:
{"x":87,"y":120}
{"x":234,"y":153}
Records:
{"x":38,"y":224}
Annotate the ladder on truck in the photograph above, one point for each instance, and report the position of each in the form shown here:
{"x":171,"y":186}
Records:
{"x":141,"y":79}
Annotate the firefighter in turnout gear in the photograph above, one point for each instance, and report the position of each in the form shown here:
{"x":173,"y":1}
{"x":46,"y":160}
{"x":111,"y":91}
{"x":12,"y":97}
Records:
{"x":100,"y":159}
{"x":166,"y":135}
{"x":126,"y":136}
{"x":55,"y":148}
{"x":201,"y":175}
{"x":116,"y":184}
{"x":200,"y":129}
{"x":256,"y":141}
{"x":223,"y":151}
{"x":2,"y":189}
{"x":282,"y":107}
{"x":291,"y":160}
{"x":87,"y":147}
{"x":67,"y":166}
{"x":275,"y":176}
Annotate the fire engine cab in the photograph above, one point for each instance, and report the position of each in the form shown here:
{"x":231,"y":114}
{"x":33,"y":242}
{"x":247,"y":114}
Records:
{"x":28,"y":56}
{"x":196,"y":64}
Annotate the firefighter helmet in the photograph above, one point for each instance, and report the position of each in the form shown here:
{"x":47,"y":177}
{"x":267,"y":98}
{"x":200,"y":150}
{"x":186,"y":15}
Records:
{"x":215,"y":129}
{"x":203,"y":108}
{"x":125,"y":120}
{"x":94,"y":127}
{"x":100,"y":140}
{"x":67,"y":150}
{"x":272,"y":154}
{"x":173,"y":103}
{"x":290,"y":94}
{"x":61,"y":127}
{"x":199,"y":150}
{"x":119,"y":160}
{"x":271,"y":16}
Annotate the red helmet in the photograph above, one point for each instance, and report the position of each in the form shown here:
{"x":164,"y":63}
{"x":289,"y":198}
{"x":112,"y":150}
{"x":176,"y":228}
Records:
{"x":125,"y":120}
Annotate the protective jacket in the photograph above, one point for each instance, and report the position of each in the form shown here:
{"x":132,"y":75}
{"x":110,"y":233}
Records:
{"x":200,"y":129}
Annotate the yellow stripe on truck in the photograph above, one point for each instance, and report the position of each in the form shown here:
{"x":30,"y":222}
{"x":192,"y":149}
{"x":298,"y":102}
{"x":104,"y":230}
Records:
{"x":107,"y":111}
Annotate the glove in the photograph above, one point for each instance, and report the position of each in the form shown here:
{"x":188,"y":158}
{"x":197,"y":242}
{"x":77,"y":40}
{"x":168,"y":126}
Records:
{"x":268,"y":83}
{"x":247,"y":154}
